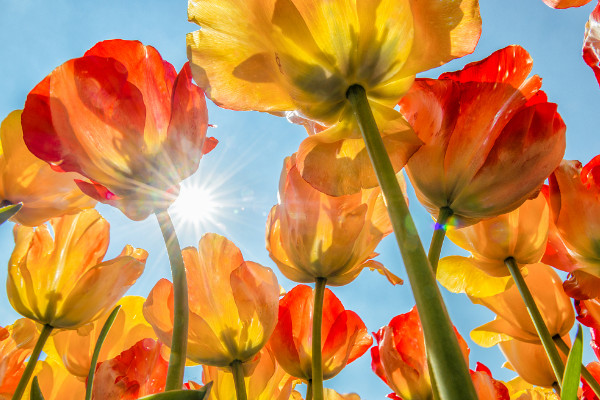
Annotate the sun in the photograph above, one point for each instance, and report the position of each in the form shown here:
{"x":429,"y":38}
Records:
{"x":197,"y":204}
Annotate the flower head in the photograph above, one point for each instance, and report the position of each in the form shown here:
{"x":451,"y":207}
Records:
{"x":491,"y":137}
{"x":123,"y":118}
{"x":62,"y":281}
{"x":26,"y":179}
{"x":591,"y":50}
{"x":344,"y":334}
{"x":232,"y":304}
{"x":16,"y":344}
{"x":312,"y":235}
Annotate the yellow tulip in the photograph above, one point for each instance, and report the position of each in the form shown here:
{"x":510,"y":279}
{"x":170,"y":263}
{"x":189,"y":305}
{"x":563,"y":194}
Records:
{"x":55,"y":382}
{"x":512,"y":319}
{"x":25,"y":178}
{"x":521,"y":390}
{"x":233,"y":304}
{"x":75,"y":347}
{"x":60,"y":280}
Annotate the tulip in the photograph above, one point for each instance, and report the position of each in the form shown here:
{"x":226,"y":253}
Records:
{"x":294,"y":56}
{"x":60,"y":280}
{"x":588,"y":394}
{"x":530,"y":361}
{"x":312,"y":235}
{"x":328,"y":394}
{"x":26,"y":179}
{"x":232,"y":304}
{"x":565,"y":3}
{"x":56,"y":383}
{"x":345,"y":336}
{"x":591,"y":51}
{"x":268,"y":381}
{"x":16,"y":344}
{"x":512,"y":319}
{"x":521,"y":390}
{"x":75,"y":347}
{"x":400,"y":358}
{"x":138,"y":371}
{"x":122,"y":117}
{"x":482,"y":127}
{"x":486,"y":386}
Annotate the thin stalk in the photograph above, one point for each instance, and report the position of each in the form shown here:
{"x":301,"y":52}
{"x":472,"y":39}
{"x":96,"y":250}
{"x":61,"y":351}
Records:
{"x":448,"y":364}
{"x":557,"y":364}
{"x":317,"y":357}
{"x":105,"y":328}
{"x":439,"y":234}
{"x":44,"y":335}
{"x":180,"y":304}
{"x":556,"y":387}
{"x":238,"y":380}
{"x":309,"y":390}
{"x":587,"y":375}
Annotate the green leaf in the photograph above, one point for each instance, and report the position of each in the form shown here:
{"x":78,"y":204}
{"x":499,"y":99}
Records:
{"x":181,"y":394}
{"x":105,"y":328}
{"x":9,"y":211}
{"x":36,"y":392}
{"x":573,"y":369}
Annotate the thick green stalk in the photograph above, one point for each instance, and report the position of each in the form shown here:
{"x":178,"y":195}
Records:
{"x":587,"y":375}
{"x":557,"y":364}
{"x":448,"y":364}
{"x":439,"y":234}
{"x":44,"y":335}
{"x":317,"y":357}
{"x":105,"y":328}
{"x":238,"y":380}
{"x":309,"y":390}
{"x":180,"y":303}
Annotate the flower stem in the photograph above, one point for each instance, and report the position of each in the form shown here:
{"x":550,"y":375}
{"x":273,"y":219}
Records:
{"x":309,"y":390}
{"x":238,"y":380}
{"x":44,"y":335}
{"x":439,"y":234}
{"x":105,"y":328}
{"x":557,"y":364}
{"x":556,"y":387}
{"x":587,"y":375}
{"x":317,"y":357}
{"x":180,"y":304}
{"x":448,"y":364}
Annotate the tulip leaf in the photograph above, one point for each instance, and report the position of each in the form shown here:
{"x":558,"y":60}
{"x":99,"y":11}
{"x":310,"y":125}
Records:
{"x":199,"y":394}
{"x":105,"y":328}
{"x":570,"y":382}
{"x":9,"y":211}
{"x":36,"y":392}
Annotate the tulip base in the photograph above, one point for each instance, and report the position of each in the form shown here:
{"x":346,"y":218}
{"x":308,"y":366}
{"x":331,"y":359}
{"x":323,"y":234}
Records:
{"x":439,"y":234}
{"x":44,"y":335}
{"x":448,"y":364}
{"x":180,"y":304}
{"x":317,"y":356}
{"x":555,"y":361}
{"x":587,"y":375}
{"x":238,"y":380}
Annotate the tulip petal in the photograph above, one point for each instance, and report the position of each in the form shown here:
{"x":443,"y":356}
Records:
{"x":461,"y":275}
{"x":565,"y":3}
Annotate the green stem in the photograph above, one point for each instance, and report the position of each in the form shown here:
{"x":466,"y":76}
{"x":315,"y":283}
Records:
{"x":557,"y":364}
{"x":105,"y":328}
{"x":180,"y":304}
{"x":317,"y":356}
{"x":44,"y":335}
{"x":309,"y":390}
{"x":439,"y":234}
{"x":448,"y":364}
{"x":238,"y":380}
{"x":556,"y":387}
{"x":587,"y":375}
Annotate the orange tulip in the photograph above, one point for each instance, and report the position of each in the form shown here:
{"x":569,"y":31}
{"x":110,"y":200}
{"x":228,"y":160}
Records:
{"x":16,"y":344}
{"x":588,"y":393}
{"x":530,"y":361}
{"x":232,"y":303}
{"x":139,"y":371}
{"x":60,"y":280}
{"x":302,"y":56}
{"x":312,"y":235}
{"x":482,"y":127}
{"x":565,"y":3}
{"x":268,"y":381}
{"x":75,"y":347}
{"x":591,"y":50}
{"x":26,"y":179}
{"x":512,"y":319}
{"x":400,"y":360}
{"x":122,"y":117}
{"x":56,"y":383}
{"x":486,"y":386}
{"x":328,"y":394}
{"x":345,"y":336}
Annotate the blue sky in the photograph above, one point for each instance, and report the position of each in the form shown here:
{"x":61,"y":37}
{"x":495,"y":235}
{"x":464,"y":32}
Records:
{"x":37,"y":35}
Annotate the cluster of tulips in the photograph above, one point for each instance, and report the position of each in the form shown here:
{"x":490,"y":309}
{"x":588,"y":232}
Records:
{"x":120,"y":126}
